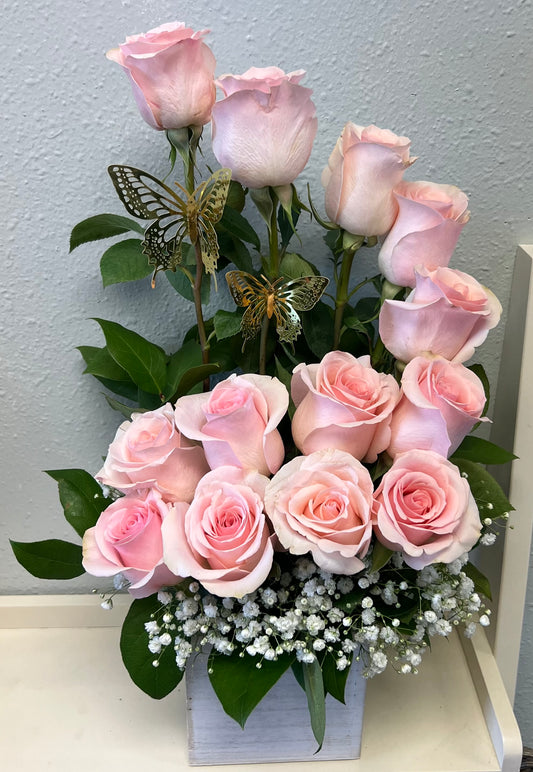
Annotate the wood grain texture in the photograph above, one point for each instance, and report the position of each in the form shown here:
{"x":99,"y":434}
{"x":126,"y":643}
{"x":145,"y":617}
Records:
{"x":278,"y":729}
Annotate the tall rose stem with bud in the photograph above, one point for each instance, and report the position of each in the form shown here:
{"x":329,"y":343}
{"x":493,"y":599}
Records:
{"x":273,"y":271}
{"x":189,"y":164}
{"x":351,"y":245}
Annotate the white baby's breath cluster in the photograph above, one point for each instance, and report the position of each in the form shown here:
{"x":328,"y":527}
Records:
{"x":380,"y":617}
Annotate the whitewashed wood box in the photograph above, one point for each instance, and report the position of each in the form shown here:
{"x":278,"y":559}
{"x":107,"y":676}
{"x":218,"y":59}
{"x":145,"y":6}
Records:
{"x":278,"y":730}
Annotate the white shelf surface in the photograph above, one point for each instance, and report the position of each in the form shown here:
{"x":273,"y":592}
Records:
{"x":68,"y":703}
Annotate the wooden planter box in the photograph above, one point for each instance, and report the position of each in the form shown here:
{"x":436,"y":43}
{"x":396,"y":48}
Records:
{"x":278,"y":729}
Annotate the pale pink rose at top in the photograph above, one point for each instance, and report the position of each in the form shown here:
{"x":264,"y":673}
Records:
{"x":322,"y":503}
{"x":364,"y":167}
{"x":127,"y":540}
{"x":172,"y":75}
{"x":150,"y":452}
{"x":429,"y":221}
{"x":441,"y":402}
{"x":343,"y":403}
{"x":425,"y":510}
{"x":448,"y":314}
{"x":264,"y":128}
{"x":236,"y":422}
{"x":222,"y":539}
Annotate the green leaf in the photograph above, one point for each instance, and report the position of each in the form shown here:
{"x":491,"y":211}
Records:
{"x":144,"y":362}
{"x":334,"y":679}
{"x":126,"y":389}
{"x":100,"y":363}
{"x":482,"y":451}
{"x":316,"y":325}
{"x":189,"y":355}
{"x":236,"y":196}
{"x":240,"y":685}
{"x":124,"y":261}
{"x":102,"y":226}
{"x":479,"y":370}
{"x":380,"y":556}
{"x":227,"y":323}
{"x":263,"y":201}
{"x":293,"y":266}
{"x":490,"y":498}
{"x":353,"y":323}
{"x":50,"y":559}
{"x":193,"y":376}
{"x":125,"y":410}
{"x":81,"y":497}
{"x":183,"y":286}
{"x":481,"y":583}
{"x":159,"y":681}
{"x":234,"y":250}
{"x":234,"y":223}
{"x":316,"y":699}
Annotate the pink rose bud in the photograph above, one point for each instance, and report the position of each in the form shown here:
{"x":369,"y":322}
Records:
{"x":236,"y":422}
{"x":149,"y":452}
{"x":322,"y":503}
{"x":425,"y":510}
{"x":264,"y":128}
{"x":343,"y":403}
{"x":441,"y":402}
{"x":425,"y":232}
{"x":172,"y":75}
{"x":448,"y":314}
{"x":222,"y":539}
{"x":127,"y":540}
{"x":364,"y":167}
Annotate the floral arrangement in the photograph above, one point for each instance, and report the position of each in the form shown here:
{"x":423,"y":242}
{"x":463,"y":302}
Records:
{"x":297,"y":486}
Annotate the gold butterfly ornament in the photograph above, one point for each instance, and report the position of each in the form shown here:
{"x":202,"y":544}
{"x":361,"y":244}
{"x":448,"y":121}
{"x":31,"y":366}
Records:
{"x":193,"y":215}
{"x":281,"y":299}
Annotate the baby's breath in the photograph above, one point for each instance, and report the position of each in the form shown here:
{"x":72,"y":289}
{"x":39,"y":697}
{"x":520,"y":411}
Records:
{"x":382,"y":618}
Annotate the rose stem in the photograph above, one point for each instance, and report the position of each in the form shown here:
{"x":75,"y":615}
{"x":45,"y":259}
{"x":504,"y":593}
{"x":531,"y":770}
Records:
{"x":197,"y":286}
{"x":341,"y":297}
{"x":263,"y":344}
{"x":352,"y":244}
{"x":273,"y":239}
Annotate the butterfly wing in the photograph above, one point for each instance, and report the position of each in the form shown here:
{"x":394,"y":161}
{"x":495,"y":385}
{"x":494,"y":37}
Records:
{"x":148,"y":198}
{"x":249,"y":292}
{"x":300,"y":294}
{"x":145,"y":196}
{"x":212,"y":195}
{"x":209,"y":200}
{"x":303,"y":293}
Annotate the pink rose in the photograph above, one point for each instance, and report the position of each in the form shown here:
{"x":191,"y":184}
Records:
{"x":425,"y":232}
{"x":236,"y":422}
{"x":265,"y":127}
{"x":127,"y":540}
{"x":448,"y":314}
{"x":441,"y":402}
{"x":425,"y":509}
{"x":172,"y":75}
{"x":322,"y":503}
{"x":149,"y":452}
{"x":222,"y":539}
{"x":366,"y":164}
{"x":343,"y":403}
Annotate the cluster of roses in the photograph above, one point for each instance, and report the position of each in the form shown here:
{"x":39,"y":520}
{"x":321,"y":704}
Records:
{"x":200,"y":500}
{"x":206,"y":492}
{"x":263,"y":129}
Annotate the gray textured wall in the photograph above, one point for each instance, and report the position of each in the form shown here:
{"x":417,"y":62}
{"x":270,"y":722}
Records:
{"x":456,"y":77}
